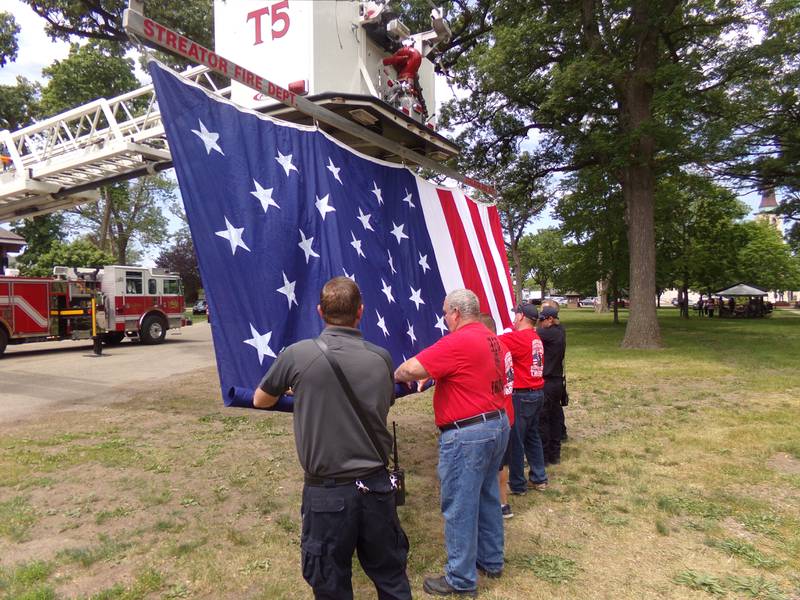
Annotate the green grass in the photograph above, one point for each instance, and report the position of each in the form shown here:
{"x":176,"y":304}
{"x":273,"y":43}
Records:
{"x":669,"y":485}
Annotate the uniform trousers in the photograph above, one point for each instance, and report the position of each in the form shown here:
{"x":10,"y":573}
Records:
{"x":551,"y":423}
{"x":341,"y":519}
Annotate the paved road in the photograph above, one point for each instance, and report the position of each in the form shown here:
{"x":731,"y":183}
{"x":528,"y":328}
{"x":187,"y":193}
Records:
{"x":55,"y":375}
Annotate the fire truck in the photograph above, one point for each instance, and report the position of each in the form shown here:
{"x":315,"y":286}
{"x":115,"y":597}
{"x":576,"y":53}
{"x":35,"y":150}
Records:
{"x":81,"y":303}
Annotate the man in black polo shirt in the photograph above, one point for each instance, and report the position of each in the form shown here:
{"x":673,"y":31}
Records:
{"x":348,"y":498}
{"x":551,"y":423}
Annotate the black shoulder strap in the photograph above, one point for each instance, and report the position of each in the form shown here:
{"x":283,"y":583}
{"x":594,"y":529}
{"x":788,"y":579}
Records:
{"x":351,"y":396}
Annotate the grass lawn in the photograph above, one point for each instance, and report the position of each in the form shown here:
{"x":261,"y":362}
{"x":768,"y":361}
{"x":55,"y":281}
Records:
{"x":680,"y":479}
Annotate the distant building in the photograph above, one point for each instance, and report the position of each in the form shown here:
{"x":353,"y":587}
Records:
{"x":766,"y":210}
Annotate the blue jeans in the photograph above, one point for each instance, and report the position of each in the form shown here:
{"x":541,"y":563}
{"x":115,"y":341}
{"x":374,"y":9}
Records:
{"x":473,"y":524}
{"x":525,"y":441}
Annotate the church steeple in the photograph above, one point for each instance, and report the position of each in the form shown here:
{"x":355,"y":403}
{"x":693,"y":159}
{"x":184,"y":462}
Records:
{"x":768,"y":201}
{"x":766,"y":210}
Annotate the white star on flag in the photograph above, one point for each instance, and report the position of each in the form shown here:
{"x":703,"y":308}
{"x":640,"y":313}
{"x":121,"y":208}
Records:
{"x":322,"y":205}
{"x":410,"y":332}
{"x":350,"y":276}
{"x":288,"y":290}
{"x":334,"y":169}
{"x":408,"y":201}
{"x":397,"y":232}
{"x":423,"y":262}
{"x":209,"y":138}
{"x":357,"y":245}
{"x":233,"y":235}
{"x":382,"y":324}
{"x":440,"y":324}
{"x":364,"y":218}
{"x":305,"y":244}
{"x":416,"y":297}
{"x":387,"y":289}
{"x":391,"y":262}
{"x":264,"y":196}
{"x":260,"y":342}
{"x":378,"y":194}
{"x":286,"y":162}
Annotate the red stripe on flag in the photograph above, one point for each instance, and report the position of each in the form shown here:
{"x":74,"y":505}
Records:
{"x":466,"y":262}
{"x":497,"y":232}
{"x":488,"y":259}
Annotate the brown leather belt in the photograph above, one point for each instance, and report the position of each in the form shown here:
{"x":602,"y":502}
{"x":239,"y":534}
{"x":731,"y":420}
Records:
{"x":481,"y":418}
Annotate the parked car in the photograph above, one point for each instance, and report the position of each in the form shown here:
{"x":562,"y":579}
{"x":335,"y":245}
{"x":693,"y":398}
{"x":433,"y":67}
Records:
{"x":559,"y":299}
{"x":589,"y":302}
{"x":200,"y":308}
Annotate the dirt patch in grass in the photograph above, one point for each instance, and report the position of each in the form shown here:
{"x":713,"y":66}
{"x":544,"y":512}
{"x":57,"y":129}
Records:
{"x":784,"y":463}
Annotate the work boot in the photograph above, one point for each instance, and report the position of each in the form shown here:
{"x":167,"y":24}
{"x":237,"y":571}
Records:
{"x":438,"y":586}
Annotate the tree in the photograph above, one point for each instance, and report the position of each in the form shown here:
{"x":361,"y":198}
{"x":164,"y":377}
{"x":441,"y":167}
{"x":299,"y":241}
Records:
{"x":80,"y":253}
{"x":766,"y":260}
{"x":543,"y":257}
{"x":8,"y":38}
{"x":698,"y":232}
{"x":180,"y":258}
{"x":521,"y":198}
{"x":130,"y":212}
{"x":101,"y":20}
{"x":19,"y":104}
{"x":635,"y":88}
{"x":593,"y":217}
{"x":89,"y":72}
{"x":39,"y":233}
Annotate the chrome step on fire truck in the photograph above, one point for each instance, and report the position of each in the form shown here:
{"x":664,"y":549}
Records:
{"x":127,"y":301}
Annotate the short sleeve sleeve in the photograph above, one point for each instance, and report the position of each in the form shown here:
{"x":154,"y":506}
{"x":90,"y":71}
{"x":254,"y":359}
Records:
{"x":438,"y":359}
{"x":278,"y":378}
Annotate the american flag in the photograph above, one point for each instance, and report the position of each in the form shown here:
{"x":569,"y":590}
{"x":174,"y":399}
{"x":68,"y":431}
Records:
{"x":276,"y":209}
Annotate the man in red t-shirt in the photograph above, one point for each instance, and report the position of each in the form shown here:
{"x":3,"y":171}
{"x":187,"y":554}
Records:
{"x":527,"y":352}
{"x":468,"y":366}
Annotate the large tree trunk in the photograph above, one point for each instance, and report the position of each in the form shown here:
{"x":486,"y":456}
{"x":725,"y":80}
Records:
{"x":638,"y":185}
{"x":642,"y":330}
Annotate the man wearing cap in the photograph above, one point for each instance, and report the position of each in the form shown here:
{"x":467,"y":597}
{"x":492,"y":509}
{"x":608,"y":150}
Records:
{"x":554,"y":339}
{"x":468,"y":404}
{"x":527,"y":353}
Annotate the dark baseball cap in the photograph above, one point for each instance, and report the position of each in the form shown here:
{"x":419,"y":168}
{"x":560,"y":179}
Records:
{"x":548,"y":311}
{"x":528,"y":310}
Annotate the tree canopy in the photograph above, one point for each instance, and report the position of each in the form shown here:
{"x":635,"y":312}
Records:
{"x":8,"y":38}
{"x":635,"y":89}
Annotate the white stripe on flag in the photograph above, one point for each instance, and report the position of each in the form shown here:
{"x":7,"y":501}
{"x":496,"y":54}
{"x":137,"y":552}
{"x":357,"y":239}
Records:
{"x":475,"y":248}
{"x":496,"y":257}
{"x":440,"y":236}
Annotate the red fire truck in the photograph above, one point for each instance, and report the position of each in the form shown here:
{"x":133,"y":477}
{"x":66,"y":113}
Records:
{"x":129,"y":301}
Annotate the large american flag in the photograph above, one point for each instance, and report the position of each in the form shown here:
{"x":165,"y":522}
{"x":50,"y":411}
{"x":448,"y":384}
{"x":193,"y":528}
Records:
{"x":275,"y":210}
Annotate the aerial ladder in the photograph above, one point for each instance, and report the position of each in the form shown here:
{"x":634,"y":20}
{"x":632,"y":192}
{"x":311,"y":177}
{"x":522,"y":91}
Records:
{"x":60,"y":162}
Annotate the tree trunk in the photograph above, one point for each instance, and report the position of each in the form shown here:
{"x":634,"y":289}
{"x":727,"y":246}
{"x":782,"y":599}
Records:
{"x":103,"y":242}
{"x":602,"y":296}
{"x":638,"y":184}
{"x":642,"y":330}
{"x":517,"y":262}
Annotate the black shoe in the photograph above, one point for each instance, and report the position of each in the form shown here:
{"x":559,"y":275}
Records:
{"x":438,"y":586}
{"x":490,"y":574}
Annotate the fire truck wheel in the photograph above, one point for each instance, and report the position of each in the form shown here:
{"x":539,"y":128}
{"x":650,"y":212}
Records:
{"x":154,"y":329}
{"x":3,"y":340}
{"x":113,"y":338}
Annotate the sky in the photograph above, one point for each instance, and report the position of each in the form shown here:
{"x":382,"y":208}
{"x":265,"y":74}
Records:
{"x":36,"y":51}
